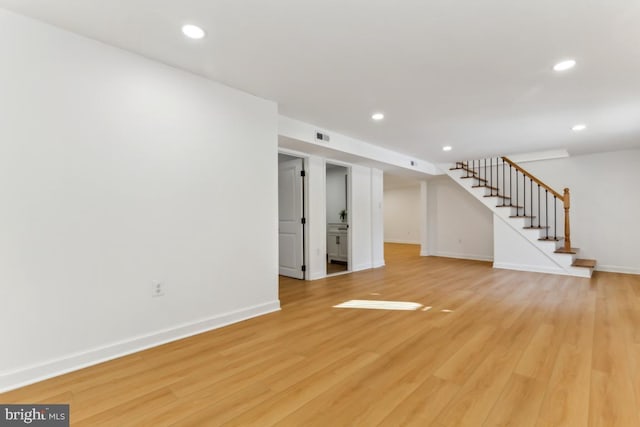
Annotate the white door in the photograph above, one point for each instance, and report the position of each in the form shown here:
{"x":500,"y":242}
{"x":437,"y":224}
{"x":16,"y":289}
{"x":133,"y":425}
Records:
{"x":290,"y":214}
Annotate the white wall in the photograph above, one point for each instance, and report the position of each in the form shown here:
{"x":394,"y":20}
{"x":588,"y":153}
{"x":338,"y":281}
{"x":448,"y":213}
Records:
{"x":377,"y":220}
{"x":365,"y":215}
{"x":425,"y":221}
{"x":306,"y":132}
{"x":115,"y":172}
{"x":512,"y":251}
{"x":336,"y":192}
{"x":360,"y":222}
{"x":316,"y":218}
{"x":459,"y":226}
{"x":402,"y":214}
{"x":604,"y":205}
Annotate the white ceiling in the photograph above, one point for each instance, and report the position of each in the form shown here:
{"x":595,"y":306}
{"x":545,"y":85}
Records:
{"x":473,"y":74}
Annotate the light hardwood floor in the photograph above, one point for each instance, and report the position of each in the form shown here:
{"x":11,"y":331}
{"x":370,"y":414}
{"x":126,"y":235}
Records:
{"x":496,"y":348}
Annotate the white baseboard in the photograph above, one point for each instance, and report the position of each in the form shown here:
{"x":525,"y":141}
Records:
{"x":529,"y":268}
{"x":379,"y":263}
{"x":617,"y":269}
{"x":73,"y":362}
{"x":403,"y":242}
{"x":361,"y":267}
{"x":472,"y":257}
{"x":316,"y":276}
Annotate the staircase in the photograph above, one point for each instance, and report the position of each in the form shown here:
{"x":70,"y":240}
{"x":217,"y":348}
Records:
{"x":530,"y":207}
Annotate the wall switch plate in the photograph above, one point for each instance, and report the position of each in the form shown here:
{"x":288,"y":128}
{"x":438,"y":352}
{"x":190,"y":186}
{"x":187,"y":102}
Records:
{"x":157,"y":289}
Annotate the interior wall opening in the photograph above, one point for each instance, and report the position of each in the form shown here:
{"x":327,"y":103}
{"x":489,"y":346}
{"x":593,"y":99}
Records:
{"x":337,"y":217}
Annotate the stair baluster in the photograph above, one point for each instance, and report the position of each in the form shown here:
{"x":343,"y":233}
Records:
{"x":497,"y":185}
{"x":517,"y":196}
{"x":546,"y":207}
{"x":538,"y":205}
{"x":524,"y":194}
{"x":555,"y":218}
{"x":531,"y":199}
{"x":510,"y":192}
{"x":485,"y":169}
{"x":504,"y":184}
{"x":491,"y":175}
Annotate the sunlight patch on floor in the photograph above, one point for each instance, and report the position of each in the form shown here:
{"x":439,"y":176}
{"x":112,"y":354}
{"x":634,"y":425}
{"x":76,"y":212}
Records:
{"x":379,"y":305}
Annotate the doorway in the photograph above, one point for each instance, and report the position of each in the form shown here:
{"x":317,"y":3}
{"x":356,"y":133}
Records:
{"x":291,"y":216}
{"x":337,"y":217}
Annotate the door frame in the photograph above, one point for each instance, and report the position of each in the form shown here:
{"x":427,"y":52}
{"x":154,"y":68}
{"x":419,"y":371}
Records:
{"x":347,"y":166}
{"x":305,"y":207}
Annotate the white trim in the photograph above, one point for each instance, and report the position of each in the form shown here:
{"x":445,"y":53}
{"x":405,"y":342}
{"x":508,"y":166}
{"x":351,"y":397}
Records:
{"x":360,"y":267}
{"x":338,"y":273}
{"x":538,"y":155}
{"x":347,"y":166}
{"x":504,"y":216}
{"x":379,"y":263}
{"x":29,"y":375}
{"x":472,"y":257}
{"x":530,"y":268}
{"x":292,"y":153}
{"x":306,"y":251}
{"x":316,"y":276}
{"x":424,"y":253}
{"x":617,"y":269}
{"x":402,"y":242}
{"x":305,"y":132}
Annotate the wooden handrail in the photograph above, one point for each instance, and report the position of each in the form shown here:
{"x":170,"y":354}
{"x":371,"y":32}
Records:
{"x":534,"y":179}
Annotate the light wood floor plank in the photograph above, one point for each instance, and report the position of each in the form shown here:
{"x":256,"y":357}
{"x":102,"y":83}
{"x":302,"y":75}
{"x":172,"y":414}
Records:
{"x":519,"y":403}
{"x":566,"y":401}
{"x":496,"y":347}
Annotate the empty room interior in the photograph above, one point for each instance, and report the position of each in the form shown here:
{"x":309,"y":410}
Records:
{"x":315,"y":213}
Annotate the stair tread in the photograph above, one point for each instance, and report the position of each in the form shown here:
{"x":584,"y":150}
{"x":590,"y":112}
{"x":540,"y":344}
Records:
{"x":484,"y":186}
{"x":472,"y":173}
{"x":586,"y":263}
{"x":474,"y":177}
{"x":567,"y":251}
{"x":464,"y":169}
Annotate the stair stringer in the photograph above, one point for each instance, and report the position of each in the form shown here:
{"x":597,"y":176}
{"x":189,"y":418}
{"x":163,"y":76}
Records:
{"x":547,"y":248}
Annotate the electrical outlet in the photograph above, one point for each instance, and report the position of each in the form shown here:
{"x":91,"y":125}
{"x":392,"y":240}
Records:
{"x":157,"y":289}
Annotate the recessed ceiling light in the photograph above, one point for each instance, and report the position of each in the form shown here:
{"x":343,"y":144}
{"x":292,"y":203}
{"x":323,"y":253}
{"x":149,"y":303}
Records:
{"x":578,"y":128}
{"x":377,"y":116}
{"x":446,"y":148}
{"x":193,"y":31}
{"x":565,"y":65}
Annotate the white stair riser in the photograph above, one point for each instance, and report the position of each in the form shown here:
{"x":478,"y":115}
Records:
{"x":564,"y":261}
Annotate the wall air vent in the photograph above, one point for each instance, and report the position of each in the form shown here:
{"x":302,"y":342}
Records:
{"x":322,"y":137}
